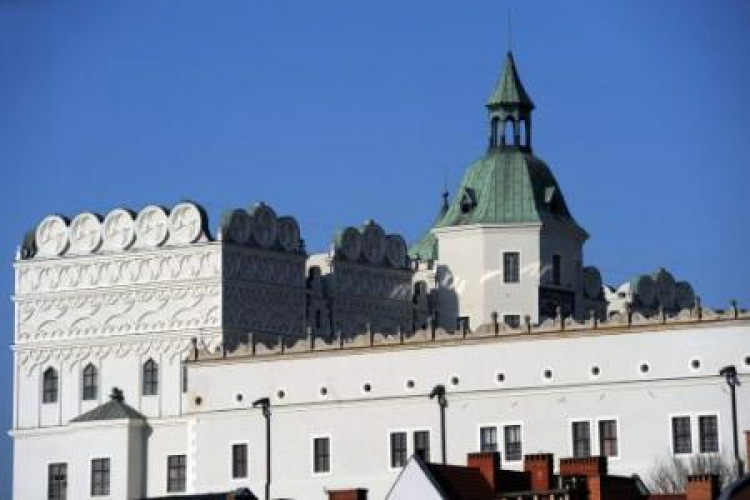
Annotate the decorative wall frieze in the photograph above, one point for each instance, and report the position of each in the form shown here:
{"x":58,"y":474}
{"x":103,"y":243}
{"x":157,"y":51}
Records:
{"x":70,"y":355}
{"x":259,"y":266}
{"x":92,"y":314}
{"x":264,"y":309}
{"x":47,"y":276}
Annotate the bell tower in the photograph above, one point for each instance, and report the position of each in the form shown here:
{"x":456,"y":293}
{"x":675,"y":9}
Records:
{"x":510,"y":109}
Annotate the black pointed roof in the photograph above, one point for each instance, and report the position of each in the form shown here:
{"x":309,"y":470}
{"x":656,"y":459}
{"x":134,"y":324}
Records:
{"x":114,"y":409}
{"x":509,"y":90}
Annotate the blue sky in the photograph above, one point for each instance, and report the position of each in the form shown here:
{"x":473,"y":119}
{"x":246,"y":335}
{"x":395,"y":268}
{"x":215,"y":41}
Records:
{"x":338,"y":111}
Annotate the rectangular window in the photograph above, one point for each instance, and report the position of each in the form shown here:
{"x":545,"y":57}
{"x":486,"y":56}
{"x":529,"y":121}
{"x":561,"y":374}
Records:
{"x":49,"y":386}
{"x":487,"y":439}
{"x":422,"y":445}
{"x":708,"y":428}
{"x":608,"y":438}
{"x":239,"y":461}
{"x":556,"y":270}
{"x":682,"y":441}
{"x":321,"y":455}
{"x":398,"y":449}
{"x":184,"y":379}
{"x":176,"y":470}
{"x":100,"y":477}
{"x":57,"y":482}
{"x":513,"y":449}
{"x":511,"y":267}
{"x":581,"y":439}
{"x":512,"y":320}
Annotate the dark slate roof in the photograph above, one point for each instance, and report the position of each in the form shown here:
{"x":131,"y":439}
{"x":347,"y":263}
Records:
{"x":458,"y":483}
{"x":509,"y":90}
{"x":114,"y":409}
{"x":241,"y":494}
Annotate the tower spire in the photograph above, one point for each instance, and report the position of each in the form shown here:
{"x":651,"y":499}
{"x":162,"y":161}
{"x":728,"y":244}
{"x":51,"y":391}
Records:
{"x":510,"y":110}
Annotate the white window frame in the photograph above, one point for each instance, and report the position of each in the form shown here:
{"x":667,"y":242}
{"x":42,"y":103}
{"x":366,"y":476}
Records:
{"x":670,"y":433}
{"x":498,"y":441}
{"x":619,"y":436}
{"x":592,"y":443}
{"x":501,"y":441}
{"x":388,"y":433}
{"x":697,"y":450}
{"x":312,"y":455}
{"x":502,"y":266}
{"x":411,"y":439}
{"x":91,"y":474}
{"x":231,"y":461}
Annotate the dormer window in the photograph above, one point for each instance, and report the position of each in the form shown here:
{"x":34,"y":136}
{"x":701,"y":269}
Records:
{"x":468,"y":201}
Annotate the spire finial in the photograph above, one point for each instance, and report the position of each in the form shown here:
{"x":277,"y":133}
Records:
{"x":510,"y":31}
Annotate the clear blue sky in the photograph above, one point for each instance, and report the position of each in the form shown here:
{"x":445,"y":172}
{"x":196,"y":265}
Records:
{"x":337,"y":111}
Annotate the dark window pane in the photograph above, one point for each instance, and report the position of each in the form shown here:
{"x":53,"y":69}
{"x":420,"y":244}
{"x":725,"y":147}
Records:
{"x":89,"y":382}
{"x":581,"y":439}
{"x":513,"y":449}
{"x":239,"y":461}
{"x":709,"y":433}
{"x":488,"y":439}
{"x":608,"y":438}
{"x":681,"y":438}
{"x":57,"y":482}
{"x":422,"y":445}
{"x":398,"y":449}
{"x":100,"y":477}
{"x":150,"y":378}
{"x":322,"y":455}
{"x":49,"y":386}
{"x":512,"y":320}
{"x":556,"y":269}
{"x":511,"y":267}
{"x":176,"y":473}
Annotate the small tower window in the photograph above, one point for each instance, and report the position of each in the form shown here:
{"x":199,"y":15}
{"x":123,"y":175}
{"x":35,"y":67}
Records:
{"x":494,"y":131}
{"x":524,"y":141}
{"x":509,"y":133}
{"x":49,"y":386}
{"x":150,"y":378}
{"x":89,"y":382}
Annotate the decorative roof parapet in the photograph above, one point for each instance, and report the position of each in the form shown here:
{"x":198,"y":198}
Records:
{"x":89,"y":233}
{"x":261,"y":345}
{"x":370,"y":245}
{"x":260,"y":227}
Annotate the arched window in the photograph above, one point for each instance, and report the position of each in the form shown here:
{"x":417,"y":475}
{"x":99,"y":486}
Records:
{"x":494,"y":131}
{"x":509,"y":133}
{"x":49,"y":386}
{"x":524,"y":140}
{"x":150,"y":378}
{"x":89,"y":382}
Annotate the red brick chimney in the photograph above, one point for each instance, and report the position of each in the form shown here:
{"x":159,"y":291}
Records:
{"x":584,"y":466}
{"x":702,"y":487}
{"x":355,"y":494}
{"x":540,"y":468}
{"x":488,"y":464}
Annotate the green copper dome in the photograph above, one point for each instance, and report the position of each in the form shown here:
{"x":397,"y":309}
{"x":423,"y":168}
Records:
{"x":507,"y":186}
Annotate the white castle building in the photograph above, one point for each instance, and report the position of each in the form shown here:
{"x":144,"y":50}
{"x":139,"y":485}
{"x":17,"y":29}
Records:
{"x":495,"y":303}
